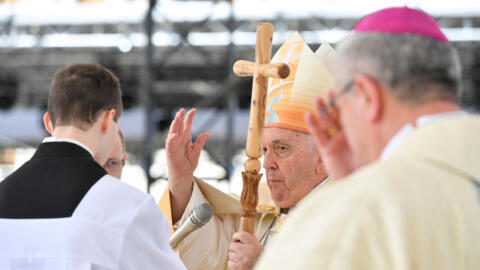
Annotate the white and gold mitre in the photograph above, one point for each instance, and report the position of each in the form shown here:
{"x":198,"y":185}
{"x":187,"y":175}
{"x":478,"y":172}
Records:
{"x":311,"y":76}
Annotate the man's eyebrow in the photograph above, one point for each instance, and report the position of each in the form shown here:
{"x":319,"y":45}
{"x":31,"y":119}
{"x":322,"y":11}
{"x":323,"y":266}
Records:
{"x":280,"y":141}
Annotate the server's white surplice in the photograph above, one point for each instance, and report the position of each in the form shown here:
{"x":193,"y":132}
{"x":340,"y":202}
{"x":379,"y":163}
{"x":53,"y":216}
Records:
{"x":114,"y":227}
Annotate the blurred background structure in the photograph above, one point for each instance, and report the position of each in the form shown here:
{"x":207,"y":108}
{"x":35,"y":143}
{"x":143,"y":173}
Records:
{"x":173,"y":54}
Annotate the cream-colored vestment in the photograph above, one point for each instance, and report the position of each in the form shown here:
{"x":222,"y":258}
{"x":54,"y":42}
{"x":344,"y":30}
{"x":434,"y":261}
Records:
{"x":419,"y":208}
{"x":207,"y":248}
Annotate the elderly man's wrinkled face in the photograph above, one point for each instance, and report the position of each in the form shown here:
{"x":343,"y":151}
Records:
{"x":292,"y":165}
{"x":116,"y":159}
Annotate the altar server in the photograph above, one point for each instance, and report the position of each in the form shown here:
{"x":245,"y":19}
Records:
{"x":60,"y":210}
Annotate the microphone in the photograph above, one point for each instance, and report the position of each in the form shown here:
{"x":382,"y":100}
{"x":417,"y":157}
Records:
{"x":198,"y":217}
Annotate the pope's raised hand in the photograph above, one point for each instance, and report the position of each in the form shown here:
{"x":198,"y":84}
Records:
{"x":182,"y":154}
{"x":330,"y":139}
{"x":182,"y":159}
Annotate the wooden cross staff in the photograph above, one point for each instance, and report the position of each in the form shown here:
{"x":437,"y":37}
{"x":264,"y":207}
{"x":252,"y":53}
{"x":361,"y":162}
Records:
{"x":261,"y":70}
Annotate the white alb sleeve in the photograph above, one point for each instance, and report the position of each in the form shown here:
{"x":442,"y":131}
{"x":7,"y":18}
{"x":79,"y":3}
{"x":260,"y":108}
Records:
{"x":145,"y":241}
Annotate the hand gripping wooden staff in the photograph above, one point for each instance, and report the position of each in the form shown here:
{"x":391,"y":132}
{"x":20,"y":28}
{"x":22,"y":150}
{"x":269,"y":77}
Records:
{"x":260,"y":70}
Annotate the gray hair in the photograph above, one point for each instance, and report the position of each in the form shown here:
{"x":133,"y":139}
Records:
{"x":414,"y":68}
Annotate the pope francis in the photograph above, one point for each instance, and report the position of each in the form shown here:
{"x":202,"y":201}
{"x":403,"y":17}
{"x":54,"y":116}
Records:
{"x":293,"y":166}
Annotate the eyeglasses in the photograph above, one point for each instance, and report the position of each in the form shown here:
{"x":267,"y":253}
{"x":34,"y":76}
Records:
{"x":114,"y":163}
{"x":332,"y":102}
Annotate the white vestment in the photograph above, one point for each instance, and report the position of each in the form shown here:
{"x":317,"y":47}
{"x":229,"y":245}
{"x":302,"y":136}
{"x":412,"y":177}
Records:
{"x":115,"y":226}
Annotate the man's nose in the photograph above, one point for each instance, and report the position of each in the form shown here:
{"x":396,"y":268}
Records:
{"x":269,"y":161}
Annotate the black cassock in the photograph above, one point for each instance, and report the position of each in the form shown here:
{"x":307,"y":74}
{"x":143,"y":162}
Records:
{"x":51,"y":184}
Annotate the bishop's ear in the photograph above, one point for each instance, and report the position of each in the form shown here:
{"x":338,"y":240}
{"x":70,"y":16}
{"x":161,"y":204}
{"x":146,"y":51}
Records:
{"x":47,"y":123}
{"x":369,"y":97}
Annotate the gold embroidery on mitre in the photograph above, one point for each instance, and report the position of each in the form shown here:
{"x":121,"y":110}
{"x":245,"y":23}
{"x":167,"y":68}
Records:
{"x":310,"y":76}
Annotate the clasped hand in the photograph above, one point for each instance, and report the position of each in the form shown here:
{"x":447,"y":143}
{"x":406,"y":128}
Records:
{"x":244,"y":251}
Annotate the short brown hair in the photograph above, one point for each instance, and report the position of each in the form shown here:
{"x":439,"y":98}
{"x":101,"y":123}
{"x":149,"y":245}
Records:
{"x":80,"y":92}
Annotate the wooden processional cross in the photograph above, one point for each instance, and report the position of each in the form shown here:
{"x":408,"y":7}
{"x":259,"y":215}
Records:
{"x":261,"y":70}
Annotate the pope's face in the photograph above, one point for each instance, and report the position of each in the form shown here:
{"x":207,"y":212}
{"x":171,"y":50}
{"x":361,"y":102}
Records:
{"x":292,"y":165}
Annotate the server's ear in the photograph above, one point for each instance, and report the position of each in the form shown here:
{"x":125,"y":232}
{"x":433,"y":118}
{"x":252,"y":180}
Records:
{"x":107,"y":119}
{"x":47,"y":123}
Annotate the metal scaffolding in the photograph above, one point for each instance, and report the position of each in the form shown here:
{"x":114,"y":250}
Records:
{"x":168,"y":56}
